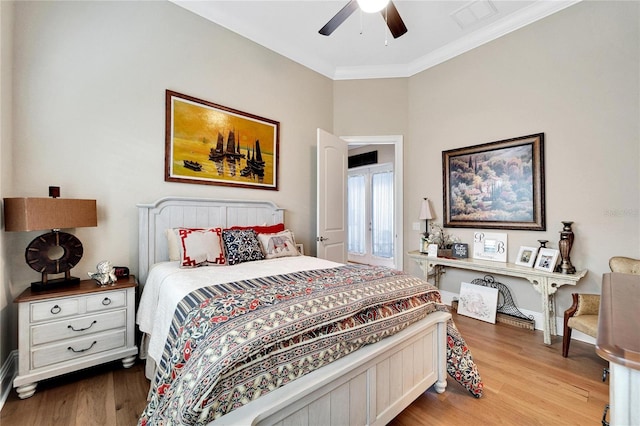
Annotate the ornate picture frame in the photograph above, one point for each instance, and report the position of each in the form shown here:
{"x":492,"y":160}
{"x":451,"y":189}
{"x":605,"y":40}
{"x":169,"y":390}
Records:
{"x":496,"y":185}
{"x":210,"y":144}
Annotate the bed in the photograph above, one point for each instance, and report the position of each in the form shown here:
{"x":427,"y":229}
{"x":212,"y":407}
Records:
{"x":369,"y":380}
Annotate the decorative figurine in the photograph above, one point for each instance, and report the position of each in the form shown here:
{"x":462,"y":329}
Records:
{"x":106,"y":273}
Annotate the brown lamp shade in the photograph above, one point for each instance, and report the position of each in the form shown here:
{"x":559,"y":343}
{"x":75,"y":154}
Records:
{"x":33,"y":214}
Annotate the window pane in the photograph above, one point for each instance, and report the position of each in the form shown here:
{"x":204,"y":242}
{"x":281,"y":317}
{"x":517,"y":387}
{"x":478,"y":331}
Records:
{"x":356,"y":214}
{"x":382,"y":214}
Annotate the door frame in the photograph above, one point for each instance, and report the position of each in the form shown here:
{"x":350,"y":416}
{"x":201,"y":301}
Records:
{"x":397,"y":142}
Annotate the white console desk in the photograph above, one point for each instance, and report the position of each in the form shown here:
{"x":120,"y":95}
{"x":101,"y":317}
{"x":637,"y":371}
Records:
{"x":545,"y":283}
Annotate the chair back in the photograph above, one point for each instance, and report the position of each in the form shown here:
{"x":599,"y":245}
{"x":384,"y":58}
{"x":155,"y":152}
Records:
{"x":625,"y":265}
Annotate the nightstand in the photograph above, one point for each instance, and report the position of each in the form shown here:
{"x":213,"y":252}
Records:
{"x":70,"y":328}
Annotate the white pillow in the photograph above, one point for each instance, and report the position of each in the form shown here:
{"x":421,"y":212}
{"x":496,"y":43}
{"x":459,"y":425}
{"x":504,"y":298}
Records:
{"x":281,"y":244}
{"x":199,"y":247}
{"x":172,"y":244}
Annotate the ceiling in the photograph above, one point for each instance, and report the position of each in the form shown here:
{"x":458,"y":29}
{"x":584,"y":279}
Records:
{"x":362,"y":46}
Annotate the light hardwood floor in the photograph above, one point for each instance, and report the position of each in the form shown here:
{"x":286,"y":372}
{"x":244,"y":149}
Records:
{"x":526,"y":383}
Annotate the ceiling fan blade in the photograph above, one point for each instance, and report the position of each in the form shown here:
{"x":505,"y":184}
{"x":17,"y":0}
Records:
{"x":340,"y":17}
{"x":394,"y":21}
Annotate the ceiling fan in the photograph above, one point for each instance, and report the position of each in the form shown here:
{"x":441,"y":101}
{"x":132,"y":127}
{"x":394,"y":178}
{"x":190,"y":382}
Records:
{"x":385,"y":7}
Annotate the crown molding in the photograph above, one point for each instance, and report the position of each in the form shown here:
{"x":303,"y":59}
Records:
{"x":482,"y":36}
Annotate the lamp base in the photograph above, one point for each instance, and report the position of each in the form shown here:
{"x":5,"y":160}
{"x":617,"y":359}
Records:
{"x":55,"y":283}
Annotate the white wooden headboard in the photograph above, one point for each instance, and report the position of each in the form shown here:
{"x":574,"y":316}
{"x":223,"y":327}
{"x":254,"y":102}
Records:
{"x":174,"y":212}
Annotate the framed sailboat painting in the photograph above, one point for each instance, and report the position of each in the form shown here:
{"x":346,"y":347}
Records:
{"x":210,"y":144}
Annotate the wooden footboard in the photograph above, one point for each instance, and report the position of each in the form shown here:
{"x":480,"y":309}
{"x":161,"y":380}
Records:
{"x":368,"y":387}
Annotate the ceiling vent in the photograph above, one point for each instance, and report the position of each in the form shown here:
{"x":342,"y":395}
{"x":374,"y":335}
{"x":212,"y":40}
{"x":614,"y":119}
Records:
{"x":474,"y":12}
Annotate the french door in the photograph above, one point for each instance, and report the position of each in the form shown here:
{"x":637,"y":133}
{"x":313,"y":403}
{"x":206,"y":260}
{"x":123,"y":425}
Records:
{"x":370,"y":213}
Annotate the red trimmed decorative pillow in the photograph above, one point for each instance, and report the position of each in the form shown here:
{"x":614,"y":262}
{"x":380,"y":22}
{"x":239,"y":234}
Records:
{"x":200,"y":247}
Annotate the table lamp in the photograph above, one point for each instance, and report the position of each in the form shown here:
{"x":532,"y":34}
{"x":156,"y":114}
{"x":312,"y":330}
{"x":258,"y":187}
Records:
{"x":425,"y":214}
{"x":55,"y":252}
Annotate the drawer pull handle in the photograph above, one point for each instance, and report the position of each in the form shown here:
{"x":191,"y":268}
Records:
{"x":82,"y":329}
{"x":56,"y":310}
{"x":106,"y":301}
{"x":604,"y":416}
{"x":82,"y":350}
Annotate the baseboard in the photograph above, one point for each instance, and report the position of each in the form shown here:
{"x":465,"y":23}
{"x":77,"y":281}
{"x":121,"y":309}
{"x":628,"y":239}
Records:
{"x":7,"y":374}
{"x":538,"y":318}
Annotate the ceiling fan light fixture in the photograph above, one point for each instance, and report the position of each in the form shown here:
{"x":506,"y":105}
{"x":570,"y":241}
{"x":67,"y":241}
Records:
{"x":372,"y":6}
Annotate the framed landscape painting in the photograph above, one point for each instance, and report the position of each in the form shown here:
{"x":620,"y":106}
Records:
{"x":210,"y":144}
{"x":496,"y":185}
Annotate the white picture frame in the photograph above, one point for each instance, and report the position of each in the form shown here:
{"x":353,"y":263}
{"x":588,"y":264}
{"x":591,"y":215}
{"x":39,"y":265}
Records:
{"x":547,"y":259}
{"x":432,"y":250}
{"x":527,"y":256}
{"x":490,"y":246}
{"x":424,"y":245}
{"x":478,"y":301}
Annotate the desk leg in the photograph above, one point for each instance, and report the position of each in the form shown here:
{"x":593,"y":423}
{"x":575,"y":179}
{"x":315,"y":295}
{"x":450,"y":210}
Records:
{"x":435,"y":271}
{"x":546,"y":290}
{"x":431,"y":271}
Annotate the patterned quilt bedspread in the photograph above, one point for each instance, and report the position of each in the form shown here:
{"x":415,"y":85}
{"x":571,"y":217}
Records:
{"x":229,"y":344}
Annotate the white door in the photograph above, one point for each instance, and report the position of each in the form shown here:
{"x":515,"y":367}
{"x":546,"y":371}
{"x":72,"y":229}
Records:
{"x":331,"y":237}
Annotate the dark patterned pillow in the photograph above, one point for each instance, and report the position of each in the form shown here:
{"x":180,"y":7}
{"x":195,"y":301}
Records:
{"x":241,"y":245}
{"x":460,"y":365}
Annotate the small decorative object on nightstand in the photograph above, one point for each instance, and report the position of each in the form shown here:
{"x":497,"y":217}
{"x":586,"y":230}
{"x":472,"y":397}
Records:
{"x":70,"y":328}
{"x":105,"y":273}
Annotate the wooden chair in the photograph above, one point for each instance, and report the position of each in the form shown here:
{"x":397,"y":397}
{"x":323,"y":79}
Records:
{"x":583,"y":313}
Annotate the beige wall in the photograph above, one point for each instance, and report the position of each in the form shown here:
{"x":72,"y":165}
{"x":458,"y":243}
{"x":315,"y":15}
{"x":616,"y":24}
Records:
{"x":88,"y":115}
{"x":8,"y":331}
{"x":370,"y":107}
{"x":573,"y":76}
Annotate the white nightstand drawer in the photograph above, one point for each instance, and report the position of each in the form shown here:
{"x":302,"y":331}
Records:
{"x":76,"y":348}
{"x":110,"y":300}
{"x":54,"y":309}
{"x":77,"y":327}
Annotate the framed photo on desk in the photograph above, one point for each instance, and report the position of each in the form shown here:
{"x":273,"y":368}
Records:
{"x":547,"y":259}
{"x":527,"y":256}
{"x":490,"y":246}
